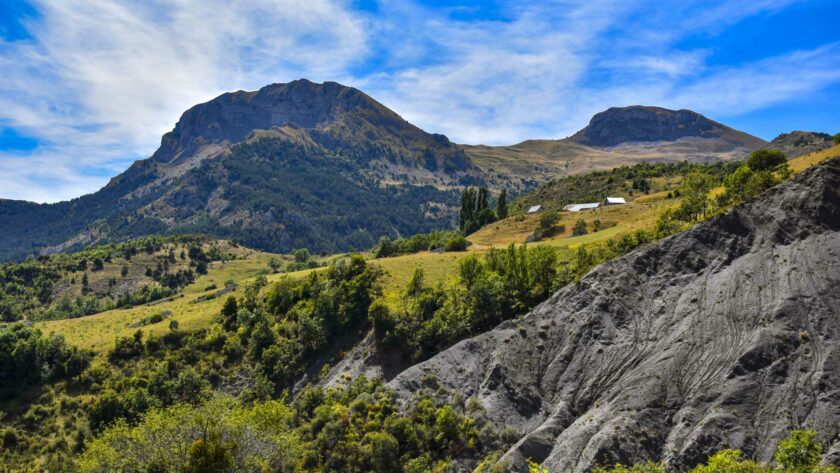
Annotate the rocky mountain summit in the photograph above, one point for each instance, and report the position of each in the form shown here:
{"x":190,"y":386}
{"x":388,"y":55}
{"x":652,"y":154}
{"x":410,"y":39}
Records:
{"x":797,"y":143}
{"x":643,"y":124}
{"x":724,"y":336}
{"x":331,"y":114}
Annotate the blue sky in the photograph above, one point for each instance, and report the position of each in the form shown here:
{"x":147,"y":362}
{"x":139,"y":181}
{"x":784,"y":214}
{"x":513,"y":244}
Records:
{"x":87,"y":87}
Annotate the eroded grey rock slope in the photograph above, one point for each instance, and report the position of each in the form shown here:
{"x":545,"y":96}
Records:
{"x":724,"y":336}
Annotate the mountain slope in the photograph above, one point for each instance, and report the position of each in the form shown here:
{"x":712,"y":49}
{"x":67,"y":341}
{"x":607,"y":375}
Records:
{"x":616,"y":137}
{"x":326,"y":167}
{"x":300,"y":164}
{"x":724,"y":336}
{"x":797,"y":143}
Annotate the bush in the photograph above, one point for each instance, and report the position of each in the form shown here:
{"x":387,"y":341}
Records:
{"x":766,"y":159}
{"x":799,"y":452}
{"x":580,"y":228}
{"x":548,"y":219}
{"x":301,"y":255}
{"x":126,"y":348}
{"x":457,"y":243}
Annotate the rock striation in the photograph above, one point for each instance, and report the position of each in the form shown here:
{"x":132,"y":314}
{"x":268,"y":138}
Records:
{"x":724,"y":336}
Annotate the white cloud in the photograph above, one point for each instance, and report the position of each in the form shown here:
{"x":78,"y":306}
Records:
{"x":99,"y":82}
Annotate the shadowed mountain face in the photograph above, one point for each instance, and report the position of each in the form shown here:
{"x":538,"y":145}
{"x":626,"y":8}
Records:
{"x":724,"y":336}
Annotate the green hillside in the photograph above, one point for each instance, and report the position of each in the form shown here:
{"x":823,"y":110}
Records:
{"x":250,"y":325}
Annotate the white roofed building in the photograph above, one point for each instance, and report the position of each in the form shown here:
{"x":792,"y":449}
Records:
{"x":614,"y":201}
{"x":534,"y":209}
{"x":579,"y":207}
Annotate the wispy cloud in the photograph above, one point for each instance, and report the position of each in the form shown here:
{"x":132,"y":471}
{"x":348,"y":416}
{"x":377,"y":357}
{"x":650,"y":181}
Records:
{"x":97,"y":83}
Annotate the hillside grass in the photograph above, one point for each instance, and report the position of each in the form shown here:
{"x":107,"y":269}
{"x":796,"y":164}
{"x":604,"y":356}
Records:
{"x":804,"y":162}
{"x":98,"y":332}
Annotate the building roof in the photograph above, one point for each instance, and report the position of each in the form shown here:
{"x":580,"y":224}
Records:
{"x":616,"y":200}
{"x":534,"y":209}
{"x":579,"y":207}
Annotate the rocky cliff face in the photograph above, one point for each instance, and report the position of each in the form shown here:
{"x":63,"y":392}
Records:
{"x":640,"y":124}
{"x":724,"y":336}
{"x":797,"y":143}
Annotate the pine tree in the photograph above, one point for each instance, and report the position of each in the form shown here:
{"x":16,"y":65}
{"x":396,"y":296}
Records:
{"x":468,"y":207}
{"x":501,"y":205}
{"x":482,"y":203}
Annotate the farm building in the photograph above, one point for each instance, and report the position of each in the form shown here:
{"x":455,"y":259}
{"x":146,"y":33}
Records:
{"x":614,"y":201}
{"x":535,"y":209}
{"x":579,"y":207}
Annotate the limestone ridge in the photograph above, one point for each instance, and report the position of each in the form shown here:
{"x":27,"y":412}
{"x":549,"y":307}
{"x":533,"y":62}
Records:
{"x":724,"y":336}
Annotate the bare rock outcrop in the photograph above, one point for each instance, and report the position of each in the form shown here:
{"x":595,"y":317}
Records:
{"x":724,"y":336}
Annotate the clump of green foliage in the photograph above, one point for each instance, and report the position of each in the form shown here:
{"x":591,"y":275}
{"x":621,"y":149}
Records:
{"x":799,"y":453}
{"x":763,"y":170}
{"x":490,"y":289}
{"x":456,"y":243}
{"x":354,"y":427}
{"x":28,"y":357}
{"x":547,"y":225}
{"x":475,"y":210}
{"x":579,"y":228}
{"x":413,"y":244}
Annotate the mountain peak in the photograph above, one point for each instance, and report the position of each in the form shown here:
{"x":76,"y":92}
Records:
{"x":639,"y":123}
{"x":231,"y":117}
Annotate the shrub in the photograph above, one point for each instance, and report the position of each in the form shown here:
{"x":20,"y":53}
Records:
{"x":301,"y":255}
{"x":548,"y":219}
{"x":456,"y":243}
{"x":766,"y":159}
{"x":799,"y":452}
{"x":126,"y":348}
{"x":580,"y":228}
{"x":274,"y":263}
